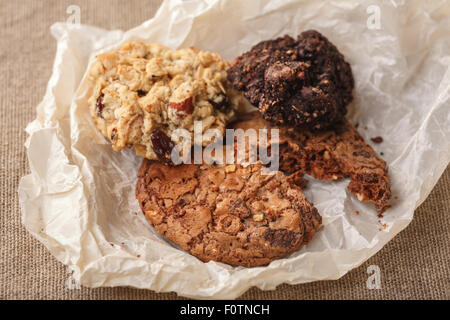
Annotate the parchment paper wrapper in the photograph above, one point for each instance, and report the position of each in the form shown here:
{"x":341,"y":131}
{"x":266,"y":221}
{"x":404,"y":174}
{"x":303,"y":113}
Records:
{"x":79,"y":198}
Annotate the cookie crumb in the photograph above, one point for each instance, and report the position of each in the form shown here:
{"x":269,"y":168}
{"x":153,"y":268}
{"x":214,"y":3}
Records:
{"x":377,"y":139}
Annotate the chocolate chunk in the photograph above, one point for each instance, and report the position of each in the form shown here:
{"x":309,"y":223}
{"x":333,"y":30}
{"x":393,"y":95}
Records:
{"x":162,"y":145}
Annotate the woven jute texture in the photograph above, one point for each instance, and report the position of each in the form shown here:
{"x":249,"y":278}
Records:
{"x":415,"y":264}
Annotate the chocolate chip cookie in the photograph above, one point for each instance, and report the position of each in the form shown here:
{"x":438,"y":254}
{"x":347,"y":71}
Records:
{"x":330,"y":155}
{"x":304,"y":82}
{"x":230,"y":213}
{"x":143,"y":92}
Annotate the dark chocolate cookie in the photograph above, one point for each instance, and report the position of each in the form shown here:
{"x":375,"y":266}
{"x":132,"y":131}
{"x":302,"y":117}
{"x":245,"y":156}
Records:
{"x":304,"y":82}
{"x":330,"y":155}
{"x":230,"y":214}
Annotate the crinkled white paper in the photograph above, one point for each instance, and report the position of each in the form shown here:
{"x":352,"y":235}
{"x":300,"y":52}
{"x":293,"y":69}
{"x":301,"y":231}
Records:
{"x":79,"y":198}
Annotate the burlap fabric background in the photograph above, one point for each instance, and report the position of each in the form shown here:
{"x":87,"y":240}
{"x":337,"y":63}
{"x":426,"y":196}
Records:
{"x":416,"y":264}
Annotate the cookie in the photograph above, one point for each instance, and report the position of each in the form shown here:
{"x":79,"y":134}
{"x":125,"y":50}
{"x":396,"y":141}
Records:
{"x":304,"y":82}
{"x":331,"y":155}
{"x":230,"y":214}
{"x":143,"y":92}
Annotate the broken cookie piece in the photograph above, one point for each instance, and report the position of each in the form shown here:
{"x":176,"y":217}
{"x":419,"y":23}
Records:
{"x":330,"y":155}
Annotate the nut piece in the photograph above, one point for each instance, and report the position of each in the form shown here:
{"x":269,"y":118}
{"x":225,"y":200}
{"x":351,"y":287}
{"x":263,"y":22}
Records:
{"x":150,"y":213}
{"x":326,"y":155}
{"x":230,"y":168}
{"x":258,"y":217}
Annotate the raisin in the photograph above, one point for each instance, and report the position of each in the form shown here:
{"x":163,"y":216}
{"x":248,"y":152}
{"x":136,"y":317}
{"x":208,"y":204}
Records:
{"x":183,"y":108}
{"x":113,"y":134}
{"x":240,"y":208}
{"x":141,"y":93}
{"x":162,"y":145}
{"x":222,"y":104}
{"x":377,"y":139}
{"x":100,"y":105}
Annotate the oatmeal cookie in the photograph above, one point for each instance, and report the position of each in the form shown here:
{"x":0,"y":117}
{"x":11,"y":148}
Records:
{"x":304,"y":82}
{"x":143,"y":92}
{"x":230,"y":214}
{"x":330,"y":155}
